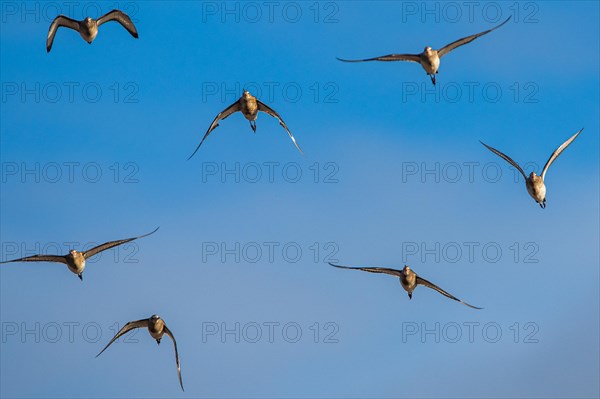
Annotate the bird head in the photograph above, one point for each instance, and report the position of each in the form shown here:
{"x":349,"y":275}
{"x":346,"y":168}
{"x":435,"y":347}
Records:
{"x":427,"y":49}
{"x":406,"y":270}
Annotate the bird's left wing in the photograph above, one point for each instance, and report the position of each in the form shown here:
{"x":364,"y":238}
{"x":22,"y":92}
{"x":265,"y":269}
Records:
{"x":120,"y":17}
{"x":266,"y":109}
{"x":170,"y":334}
{"x":107,"y":245}
{"x":558,"y":151}
{"x":426,"y":283}
{"x":449,"y":47}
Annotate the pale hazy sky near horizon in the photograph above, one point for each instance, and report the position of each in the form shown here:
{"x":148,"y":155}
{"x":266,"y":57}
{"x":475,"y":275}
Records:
{"x":94,"y":142}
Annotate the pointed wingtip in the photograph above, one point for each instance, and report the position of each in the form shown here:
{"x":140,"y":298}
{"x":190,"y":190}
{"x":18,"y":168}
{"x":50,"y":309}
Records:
{"x":196,"y":150}
{"x":505,"y":21}
{"x":152,"y":232}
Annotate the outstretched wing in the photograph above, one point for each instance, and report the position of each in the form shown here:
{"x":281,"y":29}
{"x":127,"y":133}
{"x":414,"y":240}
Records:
{"x":126,"y":328}
{"x":268,"y":110}
{"x":505,"y":157}
{"x":235,"y":107}
{"x":59,"y":21}
{"x":389,"y":57}
{"x":448,"y":48}
{"x":110,"y":244}
{"x":383,"y":270}
{"x":170,"y":334}
{"x":558,"y":151}
{"x":120,"y":17}
{"x":426,"y":283}
{"x":40,"y":258}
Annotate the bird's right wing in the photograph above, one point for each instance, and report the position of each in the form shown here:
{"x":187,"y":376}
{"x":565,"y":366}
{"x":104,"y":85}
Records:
{"x":59,"y":21}
{"x":126,"y":328}
{"x":40,"y":258}
{"x":383,"y":270}
{"x":505,"y":157}
{"x":389,"y":57}
{"x":235,"y":107}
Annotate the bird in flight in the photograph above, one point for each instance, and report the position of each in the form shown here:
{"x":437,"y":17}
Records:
{"x":429,"y":58}
{"x":249,"y":106}
{"x":88,"y":28}
{"x":157,"y":328}
{"x":408,"y":279}
{"x":534,"y":183}
{"x":75,"y":260}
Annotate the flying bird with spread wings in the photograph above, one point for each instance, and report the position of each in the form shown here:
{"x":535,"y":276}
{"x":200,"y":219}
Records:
{"x":75,"y":260}
{"x":88,"y":28}
{"x":408,"y":279}
{"x":249,"y":106}
{"x":429,"y":58}
{"x":157,"y":328}
{"x":535,"y":184}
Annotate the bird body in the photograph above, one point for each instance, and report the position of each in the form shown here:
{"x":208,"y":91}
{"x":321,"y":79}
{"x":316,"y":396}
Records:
{"x":88,"y":29}
{"x":408,"y":280}
{"x":536,"y":188}
{"x":75,"y":262}
{"x":249,"y":106}
{"x":156,"y":328}
{"x":430,"y":60}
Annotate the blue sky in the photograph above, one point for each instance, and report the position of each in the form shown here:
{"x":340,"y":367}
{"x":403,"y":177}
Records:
{"x":94,"y":142}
